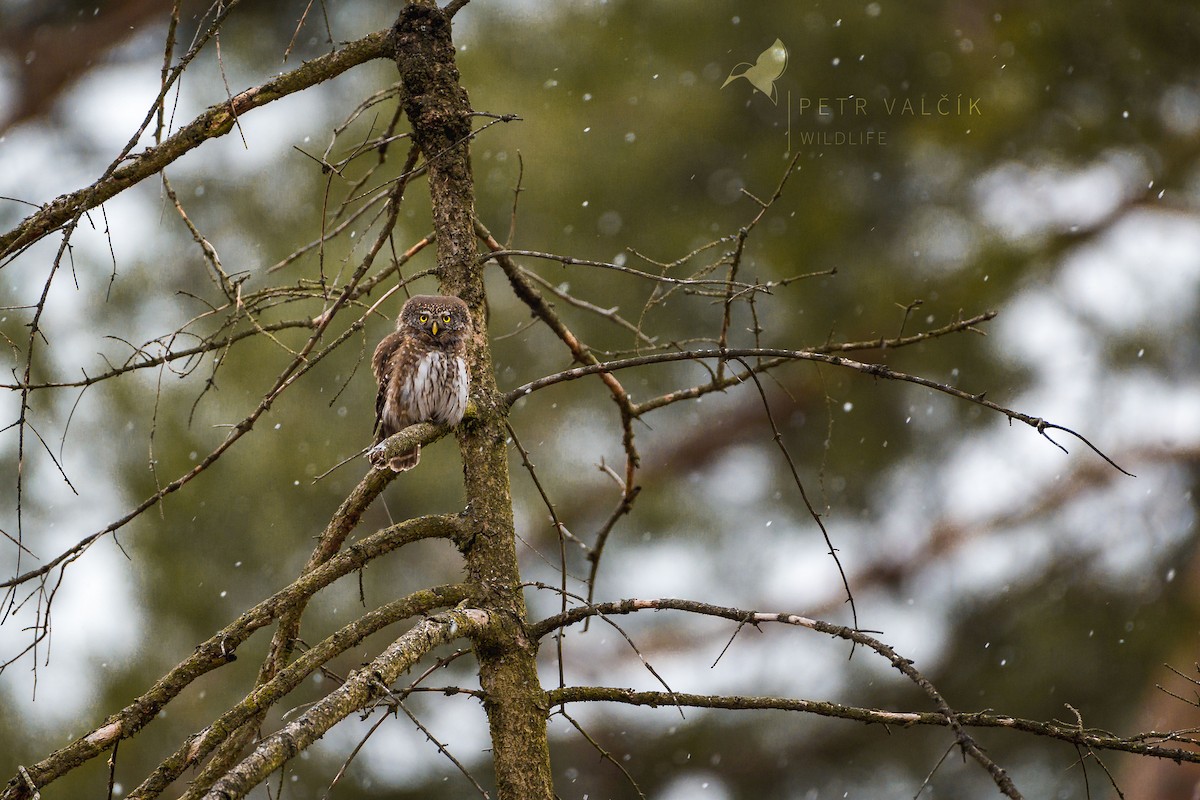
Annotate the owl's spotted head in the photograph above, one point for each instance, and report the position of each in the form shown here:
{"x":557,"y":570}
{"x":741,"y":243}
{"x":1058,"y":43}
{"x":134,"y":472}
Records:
{"x":441,"y":318}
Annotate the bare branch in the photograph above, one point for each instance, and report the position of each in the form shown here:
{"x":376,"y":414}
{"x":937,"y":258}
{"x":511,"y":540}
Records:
{"x":301,"y":364}
{"x":443,"y":749}
{"x":218,"y":120}
{"x":363,"y":687}
{"x":608,"y":313}
{"x":812,"y":512}
{"x":561,"y":533}
{"x":875,"y":370}
{"x":571,"y":261}
{"x":218,"y":649}
{"x":529,"y":295}
{"x":196,"y":747}
{"x":1098,"y":740}
{"x":604,"y":754}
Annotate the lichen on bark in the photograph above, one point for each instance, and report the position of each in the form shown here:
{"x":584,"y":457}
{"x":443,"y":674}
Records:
{"x":438,"y":109}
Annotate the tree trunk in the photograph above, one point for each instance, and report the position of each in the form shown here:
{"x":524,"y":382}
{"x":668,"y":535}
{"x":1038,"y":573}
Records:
{"x":439,"y":112}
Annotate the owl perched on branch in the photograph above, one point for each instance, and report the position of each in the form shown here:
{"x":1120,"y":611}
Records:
{"x":421,"y":371}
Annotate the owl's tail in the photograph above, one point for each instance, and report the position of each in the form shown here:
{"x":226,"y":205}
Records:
{"x":400,"y":463}
{"x":406,"y":461}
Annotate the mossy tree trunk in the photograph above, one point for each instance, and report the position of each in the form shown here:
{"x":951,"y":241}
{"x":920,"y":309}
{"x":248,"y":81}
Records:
{"x":440,"y":115}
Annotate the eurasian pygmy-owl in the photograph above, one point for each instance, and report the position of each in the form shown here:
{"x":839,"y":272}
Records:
{"x":421,"y":371}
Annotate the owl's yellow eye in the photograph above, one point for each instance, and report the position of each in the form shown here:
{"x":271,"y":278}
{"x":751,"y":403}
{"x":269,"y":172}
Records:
{"x":423,"y":318}
{"x":446,"y":318}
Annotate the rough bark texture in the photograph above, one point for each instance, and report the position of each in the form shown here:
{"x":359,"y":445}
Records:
{"x":361,"y":688}
{"x":439,"y":112}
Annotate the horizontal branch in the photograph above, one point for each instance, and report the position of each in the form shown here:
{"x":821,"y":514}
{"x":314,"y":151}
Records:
{"x":571,"y":261}
{"x":902,"y":665}
{"x":362,"y":688}
{"x":216,"y":121}
{"x":723,"y":382}
{"x":218,"y":649}
{"x":1084,"y":737}
{"x":874,"y":370}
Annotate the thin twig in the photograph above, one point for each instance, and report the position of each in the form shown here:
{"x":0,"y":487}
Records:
{"x":559,"y":530}
{"x":604,"y":754}
{"x":812,"y":512}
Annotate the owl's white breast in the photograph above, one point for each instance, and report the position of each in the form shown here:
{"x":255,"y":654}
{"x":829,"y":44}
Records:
{"x":437,"y":388}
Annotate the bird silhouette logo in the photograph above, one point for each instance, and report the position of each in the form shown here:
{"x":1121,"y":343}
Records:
{"x":763,"y":73}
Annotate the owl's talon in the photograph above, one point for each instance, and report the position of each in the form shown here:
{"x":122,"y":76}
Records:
{"x":375,"y":455}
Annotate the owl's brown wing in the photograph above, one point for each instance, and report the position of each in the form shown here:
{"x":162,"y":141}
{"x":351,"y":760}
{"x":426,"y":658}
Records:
{"x":382,"y":364}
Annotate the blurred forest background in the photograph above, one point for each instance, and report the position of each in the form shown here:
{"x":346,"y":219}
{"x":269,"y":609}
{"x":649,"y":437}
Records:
{"x":1052,"y":177}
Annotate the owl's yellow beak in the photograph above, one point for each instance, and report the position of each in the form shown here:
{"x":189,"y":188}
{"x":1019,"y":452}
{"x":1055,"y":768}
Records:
{"x":433,"y":328}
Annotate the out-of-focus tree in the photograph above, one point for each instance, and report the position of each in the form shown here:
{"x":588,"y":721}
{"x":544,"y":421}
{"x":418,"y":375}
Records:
{"x":649,"y":246}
